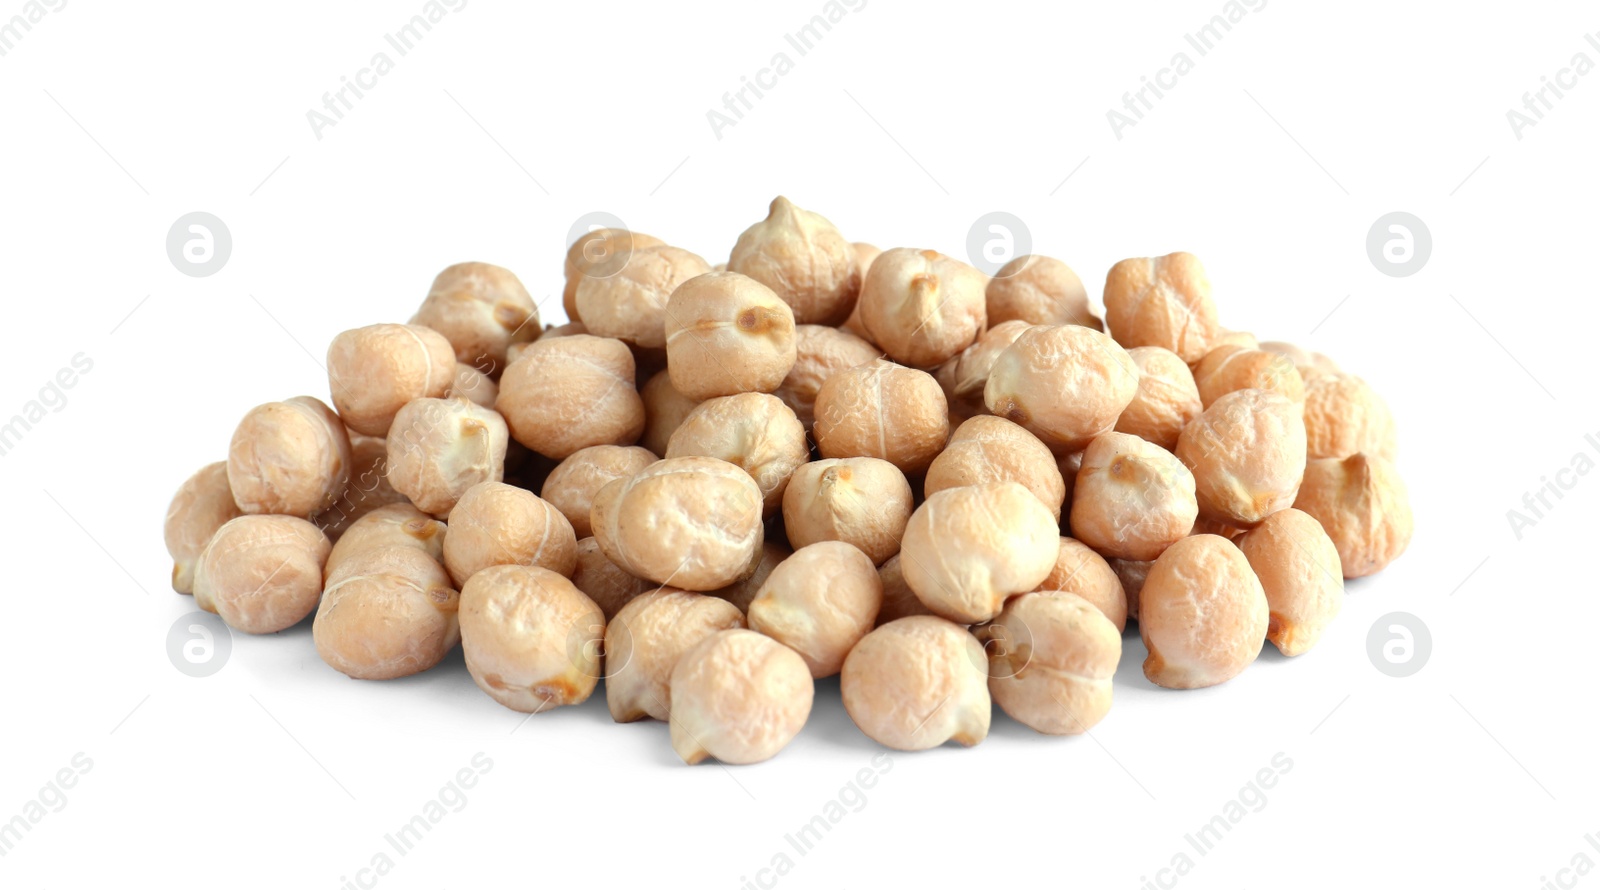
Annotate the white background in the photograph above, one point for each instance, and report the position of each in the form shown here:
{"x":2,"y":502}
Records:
{"x":1270,"y":160}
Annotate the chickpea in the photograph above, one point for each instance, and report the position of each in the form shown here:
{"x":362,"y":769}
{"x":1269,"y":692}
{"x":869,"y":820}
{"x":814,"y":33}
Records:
{"x":439,"y":448}
{"x":1051,"y":659}
{"x":1205,"y":525}
{"x":862,"y":501}
{"x":963,"y":377}
{"x":754,"y":431}
{"x":1133,"y":499}
{"x":203,"y":504}
{"x":1132,"y":572}
{"x":899,"y":600}
{"x":916,"y":683}
{"x":481,"y":310}
{"x":602,"y":581}
{"x":1344,"y":416}
{"x":553,"y":331}
{"x":1065,"y":384}
{"x":1081,"y":571}
{"x":804,"y":259}
{"x":1038,"y":290}
{"x":531,"y":639}
{"x":262,"y":574}
{"x":865,"y":254}
{"x":820,"y":352}
{"x":374,"y":371}
{"x":1069,"y":465}
{"x":664,"y":408}
{"x":291,"y":458}
{"x":992,"y":449}
{"x":882,"y":410}
{"x":572,"y":392}
{"x":393,"y":525}
{"x":728,"y":334}
{"x":1202,"y":613}
{"x":740,"y":593}
{"x":474,"y":386}
{"x":692,"y":522}
{"x":600,"y":253}
{"x":631,"y":305}
{"x":1298,"y":567}
{"x":967,"y":549}
{"x":1362,"y":504}
{"x":738,"y":696}
{"x":497,"y":524}
{"x":645,"y":640}
{"x":1231,"y":367}
{"x":572,"y":485}
{"x":1300,"y":357}
{"x":921,"y":306}
{"x":1166,"y":400}
{"x":1162,"y":301}
{"x":819,"y":602}
{"x":368,"y":490}
{"x":1247,"y":454}
{"x":389,"y":613}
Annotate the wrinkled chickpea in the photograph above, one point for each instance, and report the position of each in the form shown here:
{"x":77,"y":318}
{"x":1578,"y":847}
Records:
{"x":1081,"y":571}
{"x":1362,"y":504}
{"x":262,"y":574}
{"x":967,"y":549}
{"x":755,"y":432}
{"x":862,"y":501}
{"x":1230,"y":367}
{"x":882,"y":410}
{"x":1162,"y":301}
{"x":1132,"y":499}
{"x":1052,"y":655}
{"x":497,"y":524}
{"x":820,"y":352}
{"x":1247,"y":453}
{"x":742,"y":592}
{"x":439,"y":448}
{"x":290,"y":458}
{"x":631,"y":305}
{"x":481,"y":310}
{"x":1132,"y":572}
{"x":921,"y":306}
{"x":963,"y":377}
{"x":916,"y":683}
{"x":532,"y":641}
{"x":572,"y":485}
{"x":203,"y":504}
{"x":1166,"y":400}
{"x":899,"y":600}
{"x":600,"y":253}
{"x":568,"y":393}
{"x":664,"y":408}
{"x":603,"y":581}
{"x":1039,"y":290}
{"x":1202,"y":613}
{"x":1065,"y":384}
{"x":368,"y":489}
{"x":392,"y":525}
{"x":1298,"y":567}
{"x":992,"y":449}
{"x":738,"y":696}
{"x":474,"y":386}
{"x":804,"y":259}
{"x":389,"y":612}
{"x":819,"y":602}
{"x":645,"y":641}
{"x":374,"y":371}
{"x":728,"y":334}
{"x":1345,"y":416}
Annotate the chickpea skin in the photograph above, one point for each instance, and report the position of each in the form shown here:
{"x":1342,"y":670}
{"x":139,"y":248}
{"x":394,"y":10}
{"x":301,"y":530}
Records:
{"x":740,"y":593}
{"x":1299,"y":569}
{"x":755,"y":432}
{"x":497,"y":524}
{"x":394,"y":525}
{"x":390,"y":612}
{"x":738,"y":696}
{"x":1361,"y":502}
{"x":568,"y":393}
{"x":572,"y":485}
{"x":899,"y":600}
{"x":804,"y":259}
{"x":599,"y":254}
{"x":1132,"y":499}
{"x":1051,"y":659}
{"x":882,"y":410}
{"x":645,"y":640}
{"x":291,"y":458}
{"x":664,"y":409}
{"x":374,"y":371}
{"x":921,"y":306}
{"x":1131,"y":573}
{"x":439,"y":448}
{"x":532,"y":641}
{"x":1247,"y":454}
{"x":481,"y":310}
{"x":1345,"y":416}
{"x":862,"y":501}
{"x":992,"y":449}
{"x":967,"y":549}
{"x":728,"y":334}
{"x":203,"y":504}
{"x":602,"y":581}
{"x":820,"y":352}
{"x":1231,"y":367}
{"x":1166,"y":400}
{"x":819,"y":602}
{"x":1162,"y":301}
{"x":262,"y":574}
{"x":916,"y":683}
{"x":1202,"y":613}
{"x":1065,"y":384}
{"x":1038,"y":290}
{"x":963,"y":377}
{"x":631,"y":305}
{"x":1081,"y":571}
{"x":474,"y":386}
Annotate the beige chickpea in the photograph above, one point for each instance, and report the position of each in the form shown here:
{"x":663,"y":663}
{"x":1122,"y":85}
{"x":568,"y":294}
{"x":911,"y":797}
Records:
{"x":992,"y":449}
{"x":631,"y":305}
{"x":865,"y":254}
{"x":1132,"y":572}
{"x":262,"y":574}
{"x":921,"y":306}
{"x":738,"y":696}
{"x":1162,"y":301}
{"x":1052,"y":655}
{"x":1081,"y":571}
{"x":804,"y":259}
{"x":532,"y":640}
{"x":481,"y":310}
{"x":1202,"y":614}
{"x":291,"y":458}
{"x":755,"y":432}
{"x":204,"y":502}
{"x":819,"y":602}
{"x":820,"y":352}
{"x":392,"y":525}
{"x":691,"y":522}
{"x":572,"y":485}
{"x":916,"y":683}
{"x":742,"y":592}
{"x":474,"y":386}
{"x":389,"y":612}
{"x":664,"y":408}
{"x":1298,"y":567}
{"x":1166,"y":400}
{"x":862,"y":501}
{"x":728,"y":334}
{"x":899,"y":600}
{"x":603,"y":581}
{"x":645,"y":640}
{"x":964,"y":376}
{"x":1065,"y":384}
{"x":368,"y":489}
{"x":1247,"y":454}
{"x":497,"y":524}
{"x":1345,"y":416}
{"x":1361,"y":502}
{"x":439,"y":448}
{"x":572,"y":392}
{"x":374,"y":371}
{"x":598,"y":254}
{"x":1038,"y":290}
{"x":967,"y":549}
{"x":1132,"y":499}
{"x":1230,"y":367}
{"x":882,"y":410}
{"x":1069,"y":465}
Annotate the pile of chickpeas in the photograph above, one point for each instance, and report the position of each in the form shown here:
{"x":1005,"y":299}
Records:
{"x":717,"y":485}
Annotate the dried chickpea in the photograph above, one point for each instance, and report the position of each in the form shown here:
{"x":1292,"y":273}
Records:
{"x":631,"y":305}
{"x":1300,"y":357}
{"x":474,"y":386}
{"x":865,"y":254}
{"x":600,"y":253}
{"x":1132,"y":572}
{"x":439,"y":448}
{"x":1202,"y":613}
{"x":1081,"y":571}
{"x":1065,"y":384}
{"x":262,"y":574}
{"x":1230,"y":367}
{"x":664,"y":409}
{"x":531,"y":639}
{"x":1362,"y":504}
{"x":899,"y":600}
{"x":1299,"y":569}
{"x":291,"y":458}
{"x":374,"y":371}
{"x":1069,"y":465}
{"x":645,"y":640}
{"x":691,"y":522}
{"x":497,"y":524}
{"x":1162,"y":301}
{"x":572,"y":485}
{"x":819,"y":602}
{"x":862,"y":501}
{"x":916,"y":683}
{"x":1345,"y":416}
{"x":967,"y":549}
{"x":1132,"y":499}
{"x":921,"y":306}
{"x":559,"y":330}
{"x":1247,"y":454}
{"x":804,"y":259}
{"x":601,"y":580}
{"x":819,"y":353}
{"x":882,"y":410}
{"x":728,"y":334}
{"x":1206,"y":525}
{"x":481,"y":310}
{"x":754,"y":431}
{"x":392,"y":525}
{"x":568,"y":393}
{"x":738,"y":696}
{"x":390,"y":612}
{"x":1167,"y":398}
{"x":1038,"y":290}
{"x":204,"y":503}
{"x":963,"y":377}
{"x":992,"y":449}
{"x":740,"y":593}
{"x":1052,"y":655}
{"x":368,"y":490}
